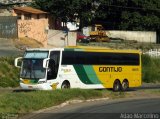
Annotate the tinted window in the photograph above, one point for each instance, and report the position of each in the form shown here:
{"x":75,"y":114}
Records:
{"x":97,"y":58}
{"x":53,"y":65}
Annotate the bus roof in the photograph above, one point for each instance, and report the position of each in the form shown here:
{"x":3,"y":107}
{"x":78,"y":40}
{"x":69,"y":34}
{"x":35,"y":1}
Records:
{"x":86,"y":49}
{"x":43,"y":49}
{"x":101,"y":49}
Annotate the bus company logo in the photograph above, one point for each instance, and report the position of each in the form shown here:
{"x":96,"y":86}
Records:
{"x":66,"y":70}
{"x":110,"y":69}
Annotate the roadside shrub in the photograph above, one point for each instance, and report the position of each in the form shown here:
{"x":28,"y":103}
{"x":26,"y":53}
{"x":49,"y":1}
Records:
{"x":9,"y":74}
{"x":150,"y":69}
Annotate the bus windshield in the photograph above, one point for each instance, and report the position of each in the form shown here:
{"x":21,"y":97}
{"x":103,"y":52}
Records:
{"x":32,"y":69}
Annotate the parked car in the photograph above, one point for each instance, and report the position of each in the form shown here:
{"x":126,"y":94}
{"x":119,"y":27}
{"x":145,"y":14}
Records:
{"x":81,"y":38}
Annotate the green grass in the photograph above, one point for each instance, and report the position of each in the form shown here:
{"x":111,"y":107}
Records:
{"x":150,"y":69}
{"x":153,"y":91}
{"x":8,"y":72}
{"x":24,"y":102}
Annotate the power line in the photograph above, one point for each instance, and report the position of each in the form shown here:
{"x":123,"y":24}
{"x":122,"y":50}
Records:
{"x":135,"y":8}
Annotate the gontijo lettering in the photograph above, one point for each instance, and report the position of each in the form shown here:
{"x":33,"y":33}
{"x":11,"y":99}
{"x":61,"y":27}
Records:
{"x":110,"y":69}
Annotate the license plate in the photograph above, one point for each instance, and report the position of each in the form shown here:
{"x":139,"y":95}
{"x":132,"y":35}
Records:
{"x":30,"y":87}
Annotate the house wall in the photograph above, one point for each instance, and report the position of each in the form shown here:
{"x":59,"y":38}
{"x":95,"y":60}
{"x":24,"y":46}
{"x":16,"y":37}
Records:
{"x":8,"y":27}
{"x":140,"y":36}
{"x":72,"y":39}
{"x":58,"y":38}
{"x":35,"y":29}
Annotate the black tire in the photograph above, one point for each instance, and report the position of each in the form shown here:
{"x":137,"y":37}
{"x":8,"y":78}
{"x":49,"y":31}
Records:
{"x":125,"y":85}
{"x":65,"y":85}
{"x":116,"y":86}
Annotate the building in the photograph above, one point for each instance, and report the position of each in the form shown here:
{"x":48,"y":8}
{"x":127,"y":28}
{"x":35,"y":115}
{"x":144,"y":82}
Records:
{"x":32,"y":23}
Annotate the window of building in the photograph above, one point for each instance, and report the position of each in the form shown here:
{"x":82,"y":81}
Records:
{"x":27,"y":16}
{"x":46,"y":16}
{"x":37,"y":16}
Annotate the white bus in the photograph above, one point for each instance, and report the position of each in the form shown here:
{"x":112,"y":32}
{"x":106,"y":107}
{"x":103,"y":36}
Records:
{"x":79,"y":67}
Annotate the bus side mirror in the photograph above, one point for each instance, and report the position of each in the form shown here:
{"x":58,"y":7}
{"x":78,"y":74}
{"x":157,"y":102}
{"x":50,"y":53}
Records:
{"x":45,"y":63}
{"x":17,"y":62}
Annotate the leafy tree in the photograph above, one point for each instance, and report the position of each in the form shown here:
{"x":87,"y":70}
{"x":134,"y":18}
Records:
{"x":114,"y":14}
{"x":67,"y":10}
{"x":130,"y":14}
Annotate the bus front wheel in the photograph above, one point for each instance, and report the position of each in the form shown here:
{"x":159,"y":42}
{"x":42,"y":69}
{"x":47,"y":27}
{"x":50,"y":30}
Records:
{"x":65,"y":85}
{"x":116,"y":85}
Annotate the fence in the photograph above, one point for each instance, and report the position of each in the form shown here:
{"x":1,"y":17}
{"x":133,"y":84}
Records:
{"x":153,"y":53}
{"x":8,"y":27}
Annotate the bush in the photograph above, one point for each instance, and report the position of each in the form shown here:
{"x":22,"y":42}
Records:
{"x":9,"y":74}
{"x":150,"y":69}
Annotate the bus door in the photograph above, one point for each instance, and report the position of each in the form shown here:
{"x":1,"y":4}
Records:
{"x":53,"y":65}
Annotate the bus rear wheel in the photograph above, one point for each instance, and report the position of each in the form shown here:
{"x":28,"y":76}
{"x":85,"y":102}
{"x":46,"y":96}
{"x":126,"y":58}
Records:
{"x":65,"y":85}
{"x":125,"y":85}
{"x":116,"y":86}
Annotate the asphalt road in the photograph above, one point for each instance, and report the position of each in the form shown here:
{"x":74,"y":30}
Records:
{"x":134,"y":109}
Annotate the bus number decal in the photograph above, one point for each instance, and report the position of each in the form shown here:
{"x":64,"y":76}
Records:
{"x":110,"y":69}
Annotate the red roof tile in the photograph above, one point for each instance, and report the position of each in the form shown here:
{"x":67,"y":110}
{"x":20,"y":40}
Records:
{"x":30,"y":10}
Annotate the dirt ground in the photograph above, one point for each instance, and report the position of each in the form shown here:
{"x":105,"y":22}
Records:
{"x":7,"y":48}
{"x":23,"y":43}
{"x":15,"y":47}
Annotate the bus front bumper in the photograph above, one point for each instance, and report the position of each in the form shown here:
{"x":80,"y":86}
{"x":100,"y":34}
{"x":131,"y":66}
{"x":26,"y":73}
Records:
{"x":42,"y":86}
